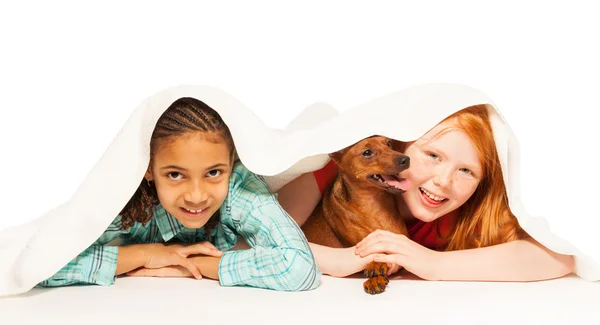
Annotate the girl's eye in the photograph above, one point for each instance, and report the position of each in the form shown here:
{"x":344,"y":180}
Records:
{"x":174,"y":175}
{"x":466,"y":171}
{"x":214,"y":173}
{"x":367,"y":153}
{"x":433,"y":155}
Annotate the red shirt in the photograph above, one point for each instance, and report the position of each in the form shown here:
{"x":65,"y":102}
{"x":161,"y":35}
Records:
{"x":425,"y":233}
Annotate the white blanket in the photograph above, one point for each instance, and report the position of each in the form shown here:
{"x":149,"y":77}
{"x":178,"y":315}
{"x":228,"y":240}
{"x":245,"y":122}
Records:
{"x":154,"y":301}
{"x":35,"y":251}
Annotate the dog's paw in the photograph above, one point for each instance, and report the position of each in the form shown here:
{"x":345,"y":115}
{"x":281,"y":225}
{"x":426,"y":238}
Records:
{"x":375,"y":269}
{"x":376,"y":285}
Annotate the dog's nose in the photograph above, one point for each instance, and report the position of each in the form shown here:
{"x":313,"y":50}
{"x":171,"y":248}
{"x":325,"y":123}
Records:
{"x":403,"y":161}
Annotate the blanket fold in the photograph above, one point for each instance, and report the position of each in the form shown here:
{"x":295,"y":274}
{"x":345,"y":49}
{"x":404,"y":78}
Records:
{"x":36,"y":250}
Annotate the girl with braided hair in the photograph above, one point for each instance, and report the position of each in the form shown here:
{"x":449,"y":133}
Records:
{"x":187,"y":213}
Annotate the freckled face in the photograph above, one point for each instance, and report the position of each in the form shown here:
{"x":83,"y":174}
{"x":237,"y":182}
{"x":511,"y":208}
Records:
{"x":445,"y":171}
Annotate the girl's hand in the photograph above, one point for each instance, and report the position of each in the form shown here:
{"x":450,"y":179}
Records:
{"x":387,"y":247}
{"x":348,"y":263}
{"x":175,"y":271}
{"x":339,"y":262}
{"x":161,"y":255}
{"x":393,"y":268}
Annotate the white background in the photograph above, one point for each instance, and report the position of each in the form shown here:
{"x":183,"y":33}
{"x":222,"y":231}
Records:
{"x":72,"y":73}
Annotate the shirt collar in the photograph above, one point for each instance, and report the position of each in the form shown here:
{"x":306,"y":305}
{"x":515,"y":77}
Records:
{"x":168,"y":225}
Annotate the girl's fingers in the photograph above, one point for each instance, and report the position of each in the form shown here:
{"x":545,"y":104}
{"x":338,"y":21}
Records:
{"x":393,"y":269}
{"x":204,"y":248}
{"x":384,"y":258}
{"x":175,"y":271}
{"x":163,"y":272}
{"x":390,"y":271}
{"x":387,"y":247}
{"x":190,"y":266}
{"x":377,"y":236}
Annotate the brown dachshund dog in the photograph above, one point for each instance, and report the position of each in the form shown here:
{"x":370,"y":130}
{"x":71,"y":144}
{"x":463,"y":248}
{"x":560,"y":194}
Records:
{"x":360,"y":201}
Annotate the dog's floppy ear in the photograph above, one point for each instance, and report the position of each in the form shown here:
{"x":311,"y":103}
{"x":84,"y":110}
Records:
{"x":398,"y":145}
{"x":337,"y":156}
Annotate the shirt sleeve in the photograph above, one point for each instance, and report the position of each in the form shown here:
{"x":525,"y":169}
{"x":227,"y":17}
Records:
{"x":280,"y":257}
{"x":95,"y":265}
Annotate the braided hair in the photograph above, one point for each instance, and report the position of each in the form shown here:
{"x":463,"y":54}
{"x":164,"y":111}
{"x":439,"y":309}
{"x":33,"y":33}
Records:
{"x":183,"y":116}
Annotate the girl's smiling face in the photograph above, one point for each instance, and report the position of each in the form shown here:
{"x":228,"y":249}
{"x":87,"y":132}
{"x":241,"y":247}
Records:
{"x":191,"y":176}
{"x":445,"y":171}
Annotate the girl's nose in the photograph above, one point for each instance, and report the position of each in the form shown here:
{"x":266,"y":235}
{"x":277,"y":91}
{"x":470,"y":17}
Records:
{"x":196,"y":194}
{"x":443,"y":177}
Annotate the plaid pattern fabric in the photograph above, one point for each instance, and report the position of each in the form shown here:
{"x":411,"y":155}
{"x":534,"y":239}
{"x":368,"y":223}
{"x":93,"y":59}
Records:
{"x":279,"y":257}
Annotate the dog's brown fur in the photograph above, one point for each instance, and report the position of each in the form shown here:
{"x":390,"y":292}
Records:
{"x":355,"y":205}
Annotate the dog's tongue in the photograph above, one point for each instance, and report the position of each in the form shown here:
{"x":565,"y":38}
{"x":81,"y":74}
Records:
{"x":395,"y":182}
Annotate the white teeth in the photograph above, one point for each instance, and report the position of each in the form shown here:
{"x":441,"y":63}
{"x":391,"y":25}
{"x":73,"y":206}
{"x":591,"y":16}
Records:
{"x":431,"y":196}
{"x":194,"y":211}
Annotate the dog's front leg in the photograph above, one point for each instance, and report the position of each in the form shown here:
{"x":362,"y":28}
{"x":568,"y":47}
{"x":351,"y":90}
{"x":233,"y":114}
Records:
{"x":378,"y":280}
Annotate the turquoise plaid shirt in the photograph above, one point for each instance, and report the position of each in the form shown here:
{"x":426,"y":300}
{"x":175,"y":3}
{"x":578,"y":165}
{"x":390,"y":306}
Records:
{"x":279,"y":257}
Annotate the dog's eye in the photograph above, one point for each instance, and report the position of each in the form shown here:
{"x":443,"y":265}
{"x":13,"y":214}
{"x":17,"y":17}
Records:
{"x":389,"y":143}
{"x":367,"y":153}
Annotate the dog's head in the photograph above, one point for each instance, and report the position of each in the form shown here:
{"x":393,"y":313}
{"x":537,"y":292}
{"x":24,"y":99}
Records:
{"x":373,"y":162}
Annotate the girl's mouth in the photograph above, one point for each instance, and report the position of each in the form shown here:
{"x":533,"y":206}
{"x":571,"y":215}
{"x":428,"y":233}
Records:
{"x":190,"y":213}
{"x":430,"y":199}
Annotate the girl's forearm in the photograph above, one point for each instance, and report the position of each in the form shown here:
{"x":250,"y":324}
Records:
{"x":130,"y":258}
{"x":338,"y":262}
{"x":208,"y":265}
{"x":519,"y":260}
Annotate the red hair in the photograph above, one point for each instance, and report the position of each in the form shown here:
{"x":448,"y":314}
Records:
{"x":485,"y":219}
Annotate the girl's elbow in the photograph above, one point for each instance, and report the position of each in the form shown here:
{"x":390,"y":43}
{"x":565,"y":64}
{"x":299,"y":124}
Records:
{"x":566,"y":265}
{"x":303,"y":275}
{"x":561,"y":265}
{"x":555,"y":265}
